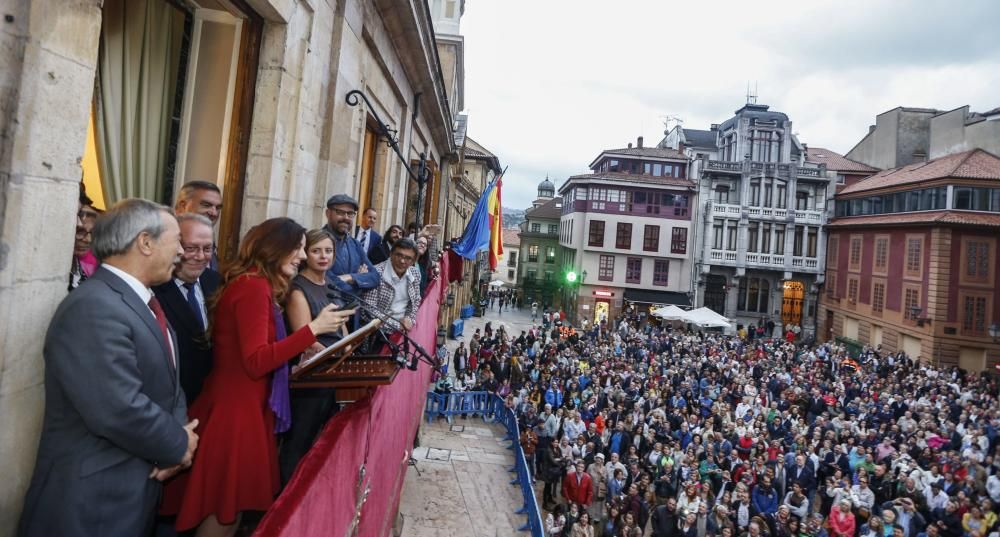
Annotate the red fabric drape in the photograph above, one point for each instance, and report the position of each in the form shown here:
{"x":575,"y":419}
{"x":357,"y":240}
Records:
{"x":320,"y":499}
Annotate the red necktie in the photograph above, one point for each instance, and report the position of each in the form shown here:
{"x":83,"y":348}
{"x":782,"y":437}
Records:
{"x":161,"y":319}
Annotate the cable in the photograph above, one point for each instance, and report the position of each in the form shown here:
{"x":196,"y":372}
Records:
{"x":420,"y":353}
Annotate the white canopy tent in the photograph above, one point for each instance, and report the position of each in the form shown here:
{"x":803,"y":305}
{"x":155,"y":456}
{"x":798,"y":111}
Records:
{"x":671,"y":313}
{"x":707,"y":318}
{"x":497,"y":283}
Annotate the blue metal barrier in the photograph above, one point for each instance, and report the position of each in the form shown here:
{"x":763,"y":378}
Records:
{"x":493,"y":409}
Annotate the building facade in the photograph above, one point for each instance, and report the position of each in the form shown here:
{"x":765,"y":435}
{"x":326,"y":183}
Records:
{"x":540,"y":256}
{"x":626,"y":230}
{"x":913,"y":264}
{"x":762,"y":207}
{"x":905,"y":135}
{"x":255,"y":97}
{"x":508,"y":264}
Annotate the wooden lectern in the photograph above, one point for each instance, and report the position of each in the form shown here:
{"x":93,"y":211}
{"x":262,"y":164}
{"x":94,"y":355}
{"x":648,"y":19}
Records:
{"x":351,"y":374}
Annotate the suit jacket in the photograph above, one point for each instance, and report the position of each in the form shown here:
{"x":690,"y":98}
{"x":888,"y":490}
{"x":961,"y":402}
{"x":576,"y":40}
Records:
{"x":113,"y":409}
{"x":381,"y":296}
{"x":193,"y":348}
{"x":373,"y":240}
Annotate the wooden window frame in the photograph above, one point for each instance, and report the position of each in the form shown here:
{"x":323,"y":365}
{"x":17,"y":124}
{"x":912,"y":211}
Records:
{"x":878,"y":298}
{"x":606,"y":271}
{"x":963,"y":262}
{"x":651,"y":242}
{"x":963,"y":320}
{"x":854,"y":265}
{"x":623,"y":236}
{"x":678,"y":245}
{"x":832,"y":250}
{"x":594,"y":232}
{"x":633,"y":276}
{"x":907,"y":272}
{"x":882,"y":269}
{"x":665,"y":279}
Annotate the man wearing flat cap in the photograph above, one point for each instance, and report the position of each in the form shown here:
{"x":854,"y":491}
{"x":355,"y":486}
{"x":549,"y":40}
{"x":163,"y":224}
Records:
{"x":351,"y":265}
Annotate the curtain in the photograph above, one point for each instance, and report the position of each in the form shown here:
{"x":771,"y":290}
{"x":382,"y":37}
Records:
{"x":137,"y":79}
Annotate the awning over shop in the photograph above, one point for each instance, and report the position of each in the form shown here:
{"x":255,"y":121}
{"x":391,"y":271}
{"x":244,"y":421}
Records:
{"x":646,"y":296}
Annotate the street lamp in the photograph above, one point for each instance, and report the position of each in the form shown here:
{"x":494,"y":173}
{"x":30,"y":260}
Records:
{"x":995,"y":332}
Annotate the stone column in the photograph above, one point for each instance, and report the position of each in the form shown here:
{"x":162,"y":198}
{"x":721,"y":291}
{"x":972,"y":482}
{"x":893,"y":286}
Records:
{"x":48,"y":57}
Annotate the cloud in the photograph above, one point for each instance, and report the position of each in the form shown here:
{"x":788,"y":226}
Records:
{"x":550,"y":84}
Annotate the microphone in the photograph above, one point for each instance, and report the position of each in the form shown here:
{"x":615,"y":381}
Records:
{"x":420,"y":353}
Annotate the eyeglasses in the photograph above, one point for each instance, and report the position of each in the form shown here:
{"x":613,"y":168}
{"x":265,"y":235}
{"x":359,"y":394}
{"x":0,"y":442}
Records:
{"x":403,"y":257}
{"x":349,"y":214}
{"x":191,"y":250}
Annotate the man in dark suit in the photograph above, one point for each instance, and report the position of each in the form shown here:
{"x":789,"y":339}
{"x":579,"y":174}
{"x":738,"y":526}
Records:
{"x":801,"y":472}
{"x":114,"y":424}
{"x":184,"y":301}
{"x":365,"y":234}
{"x":381,"y":252}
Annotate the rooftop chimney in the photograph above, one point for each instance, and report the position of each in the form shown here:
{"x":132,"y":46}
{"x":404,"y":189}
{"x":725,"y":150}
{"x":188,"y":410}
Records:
{"x":639,"y":143}
{"x":715,"y":126}
{"x":871,"y":129}
{"x":630,"y":145}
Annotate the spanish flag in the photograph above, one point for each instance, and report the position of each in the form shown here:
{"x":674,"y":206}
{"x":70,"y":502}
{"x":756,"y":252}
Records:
{"x":496,"y":225}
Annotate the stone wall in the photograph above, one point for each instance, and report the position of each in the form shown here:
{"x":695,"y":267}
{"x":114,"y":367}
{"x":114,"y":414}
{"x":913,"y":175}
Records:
{"x":48,"y":56}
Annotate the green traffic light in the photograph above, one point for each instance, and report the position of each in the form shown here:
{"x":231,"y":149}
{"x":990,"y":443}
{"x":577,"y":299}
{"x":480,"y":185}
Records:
{"x":571,"y":276}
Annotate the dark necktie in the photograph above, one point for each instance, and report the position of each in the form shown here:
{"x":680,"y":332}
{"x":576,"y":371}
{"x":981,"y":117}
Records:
{"x":192,"y":300}
{"x":364,"y":240}
{"x":161,"y":319}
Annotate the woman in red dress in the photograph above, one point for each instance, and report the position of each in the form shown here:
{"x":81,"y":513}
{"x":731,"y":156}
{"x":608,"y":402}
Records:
{"x":236,"y":466}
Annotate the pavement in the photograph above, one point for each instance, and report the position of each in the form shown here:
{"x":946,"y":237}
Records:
{"x":460,"y":485}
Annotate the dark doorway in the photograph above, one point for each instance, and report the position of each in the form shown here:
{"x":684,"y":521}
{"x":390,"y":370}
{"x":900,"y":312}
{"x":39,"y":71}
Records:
{"x":715,"y":293}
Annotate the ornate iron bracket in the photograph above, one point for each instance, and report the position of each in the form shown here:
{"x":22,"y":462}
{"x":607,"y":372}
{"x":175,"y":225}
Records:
{"x":354,"y":98}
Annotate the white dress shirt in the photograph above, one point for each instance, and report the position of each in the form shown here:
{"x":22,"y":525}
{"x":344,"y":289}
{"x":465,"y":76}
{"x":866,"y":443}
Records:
{"x":144,"y":294}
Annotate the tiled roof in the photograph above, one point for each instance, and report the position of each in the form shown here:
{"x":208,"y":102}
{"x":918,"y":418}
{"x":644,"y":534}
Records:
{"x":551,"y":209}
{"x":512,"y":237}
{"x":633,"y":178}
{"x":973,"y":164}
{"x":699,"y":138}
{"x":655,"y":152}
{"x":835,"y":161}
{"x":966,"y":218}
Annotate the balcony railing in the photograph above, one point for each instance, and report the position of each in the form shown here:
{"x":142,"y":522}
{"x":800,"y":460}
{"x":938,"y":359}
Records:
{"x":766,"y":260}
{"x":763,"y":260}
{"x":805,"y":262}
{"x":723,"y":166}
{"x":725,"y":209}
{"x":725,"y":256}
{"x":811,"y":172}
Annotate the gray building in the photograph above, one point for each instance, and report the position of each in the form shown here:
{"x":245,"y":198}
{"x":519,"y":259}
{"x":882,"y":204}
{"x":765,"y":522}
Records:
{"x":905,"y":135}
{"x":761,"y":208}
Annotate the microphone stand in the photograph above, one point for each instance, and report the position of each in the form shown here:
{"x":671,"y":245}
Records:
{"x":419,"y":354}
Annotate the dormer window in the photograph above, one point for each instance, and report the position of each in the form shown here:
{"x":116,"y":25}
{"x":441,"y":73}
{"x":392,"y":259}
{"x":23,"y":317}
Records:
{"x":614,"y":165}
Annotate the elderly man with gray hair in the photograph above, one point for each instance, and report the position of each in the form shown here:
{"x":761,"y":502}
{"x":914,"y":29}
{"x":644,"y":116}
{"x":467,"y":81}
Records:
{"x":115,"y":421}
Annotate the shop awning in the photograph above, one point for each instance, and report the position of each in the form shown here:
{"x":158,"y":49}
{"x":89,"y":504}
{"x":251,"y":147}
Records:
{"x":646,"y":296}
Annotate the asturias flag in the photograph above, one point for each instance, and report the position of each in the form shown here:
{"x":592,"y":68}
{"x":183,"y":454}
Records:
{"x":496,"y":225}
{"x":476,"y":237}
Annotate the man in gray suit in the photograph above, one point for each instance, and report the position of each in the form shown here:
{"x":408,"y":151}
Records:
{"x":115,"y":416}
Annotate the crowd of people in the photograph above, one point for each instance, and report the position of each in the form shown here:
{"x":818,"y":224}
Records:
{"x":633,"y":429}
{"x":168,"y":407}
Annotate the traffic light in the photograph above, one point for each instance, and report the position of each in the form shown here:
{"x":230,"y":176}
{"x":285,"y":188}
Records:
{"x":571,"y":277}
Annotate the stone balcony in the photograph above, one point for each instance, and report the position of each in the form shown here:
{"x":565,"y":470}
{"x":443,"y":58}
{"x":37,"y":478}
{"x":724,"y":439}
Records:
{"x":767,"y":213}
{"x":765,"y":261}
{"x":770,"y":169}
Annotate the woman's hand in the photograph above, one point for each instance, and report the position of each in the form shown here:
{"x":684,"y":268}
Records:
{"x":330,"y":319}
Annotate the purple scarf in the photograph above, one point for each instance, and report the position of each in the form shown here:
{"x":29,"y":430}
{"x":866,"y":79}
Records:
{"x":279,"y":400}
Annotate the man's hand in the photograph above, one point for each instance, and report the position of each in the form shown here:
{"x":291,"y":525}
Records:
{"x":166,"y":473}
{"x":363,"y":269}
{"x":407,"y":324}
{"x":346,"y":278}
{"x":192,"y":443}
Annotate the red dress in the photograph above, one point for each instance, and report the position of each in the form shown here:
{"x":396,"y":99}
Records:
{"x":236,"y":466}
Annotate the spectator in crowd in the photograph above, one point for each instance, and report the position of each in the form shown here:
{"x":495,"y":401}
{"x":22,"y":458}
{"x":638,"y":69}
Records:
{"x":185,"y":301}
{"x":204,"y":198}
{"x":365,"y":233}
{"x":245,"y":399}
{"x":308,"y":296}
{"x":84,"y":262}
{"x":115,"y":423}
{"x":398,"y":291}
{"x":381,"y":251}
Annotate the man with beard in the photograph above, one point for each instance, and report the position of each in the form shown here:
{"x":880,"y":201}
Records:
{"x":351,"y":265}
{"x":665,"y":519}
{"x":380,"y":252}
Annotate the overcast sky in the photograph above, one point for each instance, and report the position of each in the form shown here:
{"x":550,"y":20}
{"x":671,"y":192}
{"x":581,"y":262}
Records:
{"x":549,"y":83}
